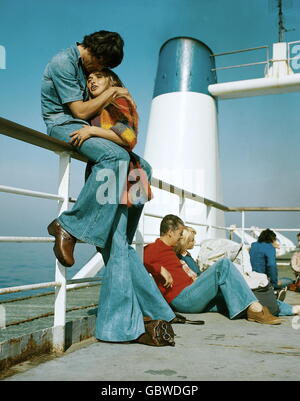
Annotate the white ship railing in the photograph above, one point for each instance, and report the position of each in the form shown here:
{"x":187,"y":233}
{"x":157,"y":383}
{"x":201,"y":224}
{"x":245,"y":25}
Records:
{"x":280,"y":74}
{"x":267,"y":61}
{"x":292,"y":47}
{"x":65,"y":153}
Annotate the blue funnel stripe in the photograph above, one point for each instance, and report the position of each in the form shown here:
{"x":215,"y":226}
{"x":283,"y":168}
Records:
{"x":184,"y":65}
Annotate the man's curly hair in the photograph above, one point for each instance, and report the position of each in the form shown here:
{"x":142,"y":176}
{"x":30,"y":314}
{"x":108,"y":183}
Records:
{"x":106,"y":46}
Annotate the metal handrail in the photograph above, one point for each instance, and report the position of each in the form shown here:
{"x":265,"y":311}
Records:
{"x":25,"y":134}
{"x":27,"y":287}
{"x":27,"y":192}
{"x":33,"y":137}
{"x":239,"y":51}
{"x":268,"y":60}
{"x":240,"y":65}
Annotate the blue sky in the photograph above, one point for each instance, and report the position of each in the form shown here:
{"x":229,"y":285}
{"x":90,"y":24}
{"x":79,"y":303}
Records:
{"x":259,"y":137}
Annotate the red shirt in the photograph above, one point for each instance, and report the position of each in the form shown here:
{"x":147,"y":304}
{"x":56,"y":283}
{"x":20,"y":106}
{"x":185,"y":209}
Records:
{"x":159,"y":254}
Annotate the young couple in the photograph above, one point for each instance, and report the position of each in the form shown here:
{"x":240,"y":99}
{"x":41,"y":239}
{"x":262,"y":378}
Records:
{"x":84,"y":103}
{"x":220,"y":288}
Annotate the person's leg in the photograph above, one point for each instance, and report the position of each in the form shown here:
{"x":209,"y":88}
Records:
{"x":119,"y":316}
{"x":285,"y":281}
{"x":285,"y":309}
{"x":135,"y":211}
{"x":92,"y":215}
{"x":217,"y":304}
{"x":222,"y":275}
{"x":127,"y":292}
{"x":148,"y":294}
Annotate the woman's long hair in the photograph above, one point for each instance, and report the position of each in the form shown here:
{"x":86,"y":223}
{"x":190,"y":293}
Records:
{"x":188,"y":234}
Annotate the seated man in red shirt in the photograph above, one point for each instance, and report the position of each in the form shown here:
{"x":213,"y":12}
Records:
{"x":187,"y":293}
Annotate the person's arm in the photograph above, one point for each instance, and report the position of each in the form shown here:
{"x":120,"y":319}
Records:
{"x":271,"y":266}
{"x":86,"y":132}
{"x":127,"y":125}
{"x":157,"y":269}
{"x":121,"y":133}
{"x":167,"y":276}
{"x":87,"y":110}
{"x":64,"y":77}
{"x":126,"y":134}
{"x":159,"y":262}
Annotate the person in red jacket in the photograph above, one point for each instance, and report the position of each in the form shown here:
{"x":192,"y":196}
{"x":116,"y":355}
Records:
{"x":187,"y":293}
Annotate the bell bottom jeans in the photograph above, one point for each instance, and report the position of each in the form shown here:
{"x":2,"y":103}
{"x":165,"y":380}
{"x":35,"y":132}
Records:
{"x":128,"y":292}
{"x":220,"y":288}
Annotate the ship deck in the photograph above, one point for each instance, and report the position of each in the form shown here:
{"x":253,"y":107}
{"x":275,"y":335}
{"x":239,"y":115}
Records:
{"x":222,"y":349}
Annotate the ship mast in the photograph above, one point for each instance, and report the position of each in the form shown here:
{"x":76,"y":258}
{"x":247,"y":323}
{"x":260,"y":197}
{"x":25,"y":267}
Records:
{"x":281,"y":27}
{"x":280,"y":5}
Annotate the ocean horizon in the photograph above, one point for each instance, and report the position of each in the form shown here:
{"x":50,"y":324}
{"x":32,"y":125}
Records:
{"x":32,"y":263}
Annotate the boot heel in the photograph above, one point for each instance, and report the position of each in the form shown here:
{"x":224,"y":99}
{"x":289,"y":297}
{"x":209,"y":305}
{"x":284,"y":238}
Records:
{"x":51,"y":228}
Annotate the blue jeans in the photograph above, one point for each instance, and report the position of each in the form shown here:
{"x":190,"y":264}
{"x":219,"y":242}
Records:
{"x":284,"y":309}
{"x":284,"y":282}
{"x":89,"y":220}
{"x":220,"y":281}
{"x":128,"y":292}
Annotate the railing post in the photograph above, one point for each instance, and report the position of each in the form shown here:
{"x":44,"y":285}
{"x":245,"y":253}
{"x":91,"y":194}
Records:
{"x":231,"y":231}
{"x":208,"y":222}
{"x":243,"y":227}
{"x":60,"y":270}
{"x":182,"y":208}
{"x":139,"y":236}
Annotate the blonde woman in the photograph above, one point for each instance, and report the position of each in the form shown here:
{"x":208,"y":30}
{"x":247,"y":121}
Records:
{"x":186,"y":243}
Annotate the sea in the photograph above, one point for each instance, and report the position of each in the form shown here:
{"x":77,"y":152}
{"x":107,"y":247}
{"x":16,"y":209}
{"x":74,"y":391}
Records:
{"x":32,"y":263}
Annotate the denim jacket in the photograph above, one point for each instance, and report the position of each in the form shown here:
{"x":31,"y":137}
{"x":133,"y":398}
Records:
{"x":263,"y":260}
{"x":63,"y":81}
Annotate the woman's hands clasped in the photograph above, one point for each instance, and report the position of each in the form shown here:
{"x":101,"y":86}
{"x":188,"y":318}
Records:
{"x":81,"y":135}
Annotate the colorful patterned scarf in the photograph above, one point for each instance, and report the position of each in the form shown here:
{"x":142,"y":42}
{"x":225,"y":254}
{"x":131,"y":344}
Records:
{"x":122,"y":118}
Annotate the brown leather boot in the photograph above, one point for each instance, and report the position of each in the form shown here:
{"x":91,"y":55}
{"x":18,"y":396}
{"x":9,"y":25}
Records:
{"x":64,"y":243}
{"x":264,"y":317}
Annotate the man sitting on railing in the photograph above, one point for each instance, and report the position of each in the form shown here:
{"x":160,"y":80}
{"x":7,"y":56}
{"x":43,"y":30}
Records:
{"x":98,"y":217}
{"x":186,"y":292}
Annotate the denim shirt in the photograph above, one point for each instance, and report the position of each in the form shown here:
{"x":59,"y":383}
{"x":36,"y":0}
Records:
{"x":263,"y":260}
{"x":63,"y":81}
